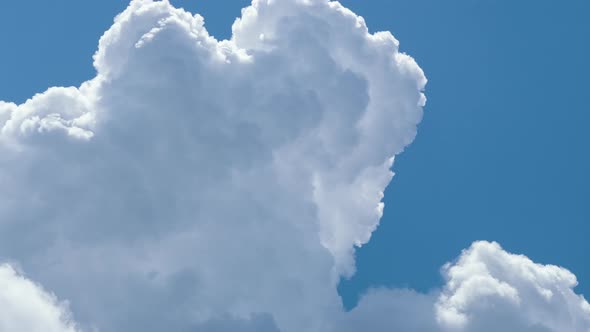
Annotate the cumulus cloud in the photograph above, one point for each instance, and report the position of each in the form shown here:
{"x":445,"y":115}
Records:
{"x":205,"y":185}
{"x":225,"y":176}
{"x":488,"y":289}
{"x":26,"y":306}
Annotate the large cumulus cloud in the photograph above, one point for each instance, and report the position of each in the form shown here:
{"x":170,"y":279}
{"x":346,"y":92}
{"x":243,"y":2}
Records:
{"x":204,"y":185}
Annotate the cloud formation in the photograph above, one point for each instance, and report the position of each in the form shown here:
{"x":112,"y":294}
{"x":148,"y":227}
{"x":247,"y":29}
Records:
{"x":204,"y":185}
{"x":26,"y":306}
{"x":488,"y":289}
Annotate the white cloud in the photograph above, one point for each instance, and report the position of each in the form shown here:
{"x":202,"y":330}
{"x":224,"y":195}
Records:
{"x":207,"y":185}
{"x":227,"y":176}
{"x":28,"y":307}
{"x":488,"y":289}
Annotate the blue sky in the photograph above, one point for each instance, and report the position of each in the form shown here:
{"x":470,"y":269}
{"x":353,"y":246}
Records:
{"x":502,"y":152}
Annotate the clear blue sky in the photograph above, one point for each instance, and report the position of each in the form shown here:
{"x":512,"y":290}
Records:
{"x":502,"y":153}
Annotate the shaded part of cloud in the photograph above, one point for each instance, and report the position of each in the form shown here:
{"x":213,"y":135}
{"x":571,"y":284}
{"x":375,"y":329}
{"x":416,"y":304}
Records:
{"x":26,"y":306}
{"x":487,"y":289}
{"x":391,"y":310}
{"x":257,"y":323}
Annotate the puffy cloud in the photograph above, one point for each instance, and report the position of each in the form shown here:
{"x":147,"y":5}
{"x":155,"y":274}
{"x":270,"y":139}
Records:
{"x":382,"y":310}
{"x":223,"y":176}
{"x":26,"y":306}
{"x":488,"y":289}
{"x":205,"y":185}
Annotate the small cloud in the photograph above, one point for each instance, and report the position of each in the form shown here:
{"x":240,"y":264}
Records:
{"x":26,"y":306}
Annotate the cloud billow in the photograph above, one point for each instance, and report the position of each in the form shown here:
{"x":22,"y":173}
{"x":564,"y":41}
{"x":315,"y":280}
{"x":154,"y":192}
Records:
{"x":204,"y":185}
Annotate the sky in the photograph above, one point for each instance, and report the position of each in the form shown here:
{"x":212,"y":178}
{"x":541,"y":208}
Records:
{"x":500,"y":153}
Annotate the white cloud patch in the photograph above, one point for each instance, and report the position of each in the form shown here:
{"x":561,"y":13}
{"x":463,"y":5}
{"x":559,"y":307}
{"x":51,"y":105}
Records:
{"x":204,"y":185}
{"x":488,"y":289}
{"x":26,"y":306}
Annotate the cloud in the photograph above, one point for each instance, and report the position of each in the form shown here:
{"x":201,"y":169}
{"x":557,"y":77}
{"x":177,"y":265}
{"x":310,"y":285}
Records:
{"x":382,"y":310}
{"x":26,"y":306}
{"x":488,"y":289}
{"x":223,"y":176}
{"x":204,"y":185}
